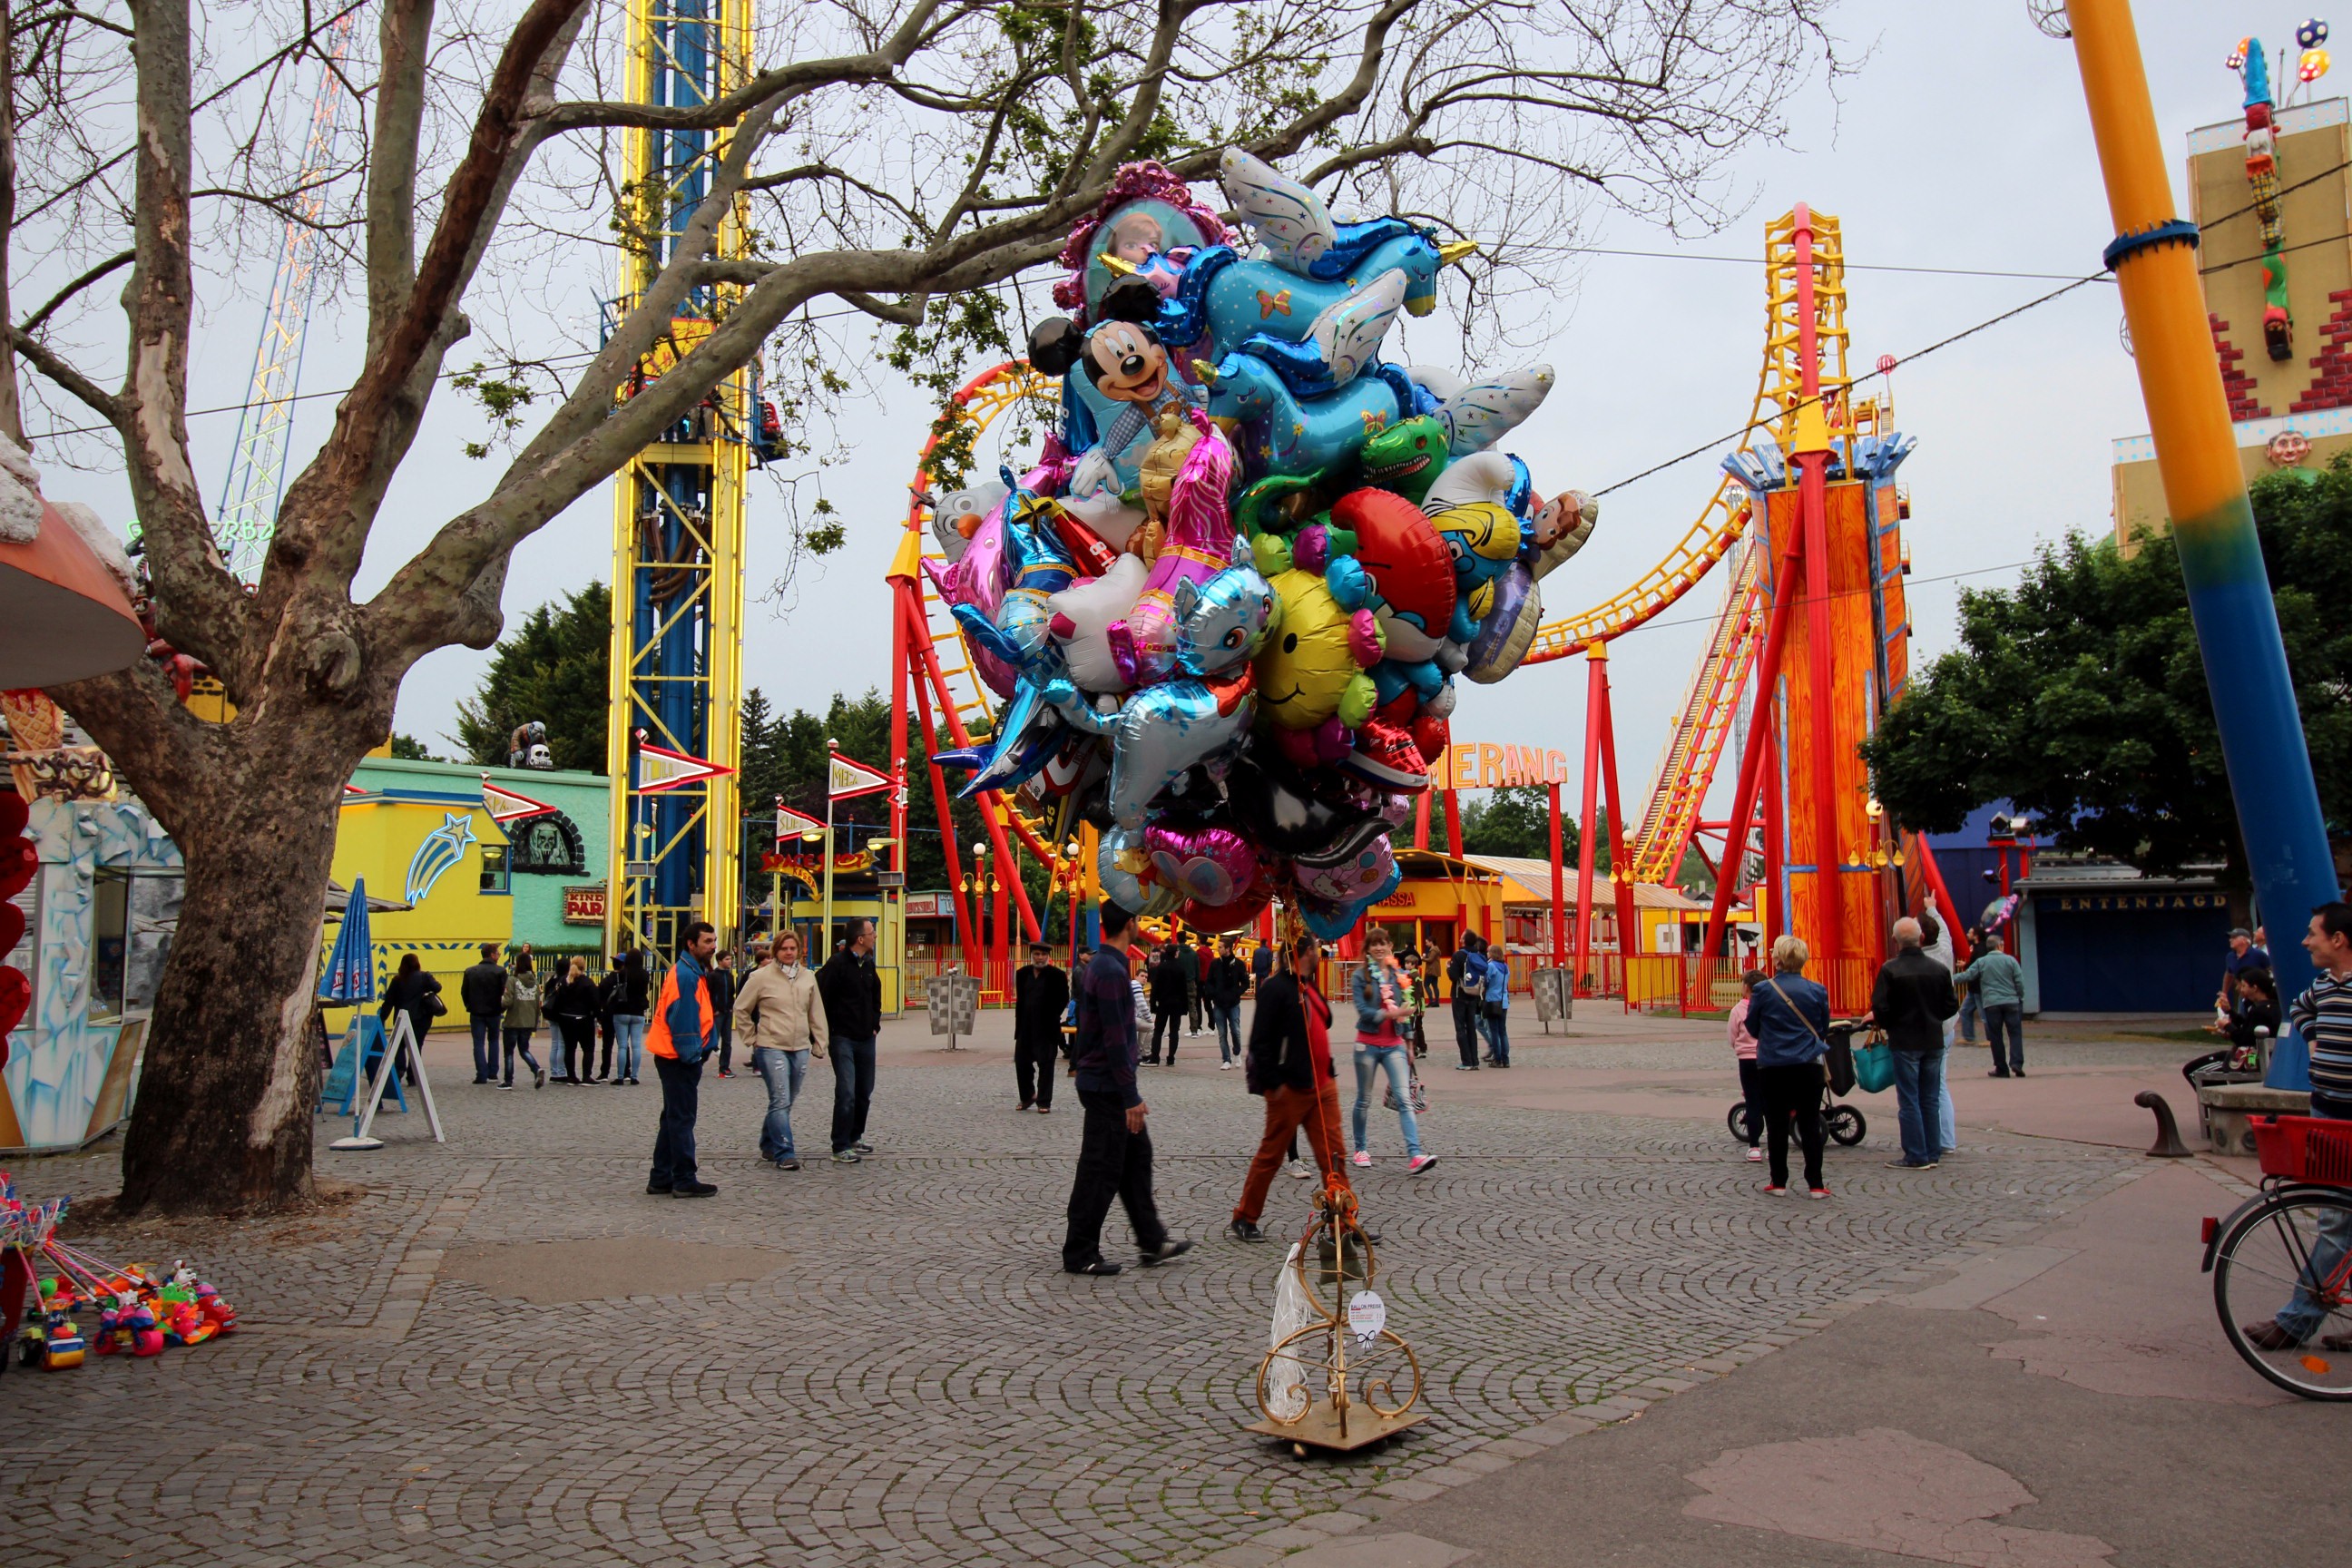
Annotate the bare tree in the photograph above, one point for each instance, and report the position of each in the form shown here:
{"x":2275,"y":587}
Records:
{"x":903,"y":157}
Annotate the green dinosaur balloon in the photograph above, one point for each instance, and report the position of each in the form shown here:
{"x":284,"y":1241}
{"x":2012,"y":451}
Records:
{"x":1405,"y":458}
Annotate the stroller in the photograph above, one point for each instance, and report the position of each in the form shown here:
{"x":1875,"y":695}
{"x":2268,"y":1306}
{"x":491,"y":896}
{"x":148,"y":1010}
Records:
{"x":1845,"y":1124}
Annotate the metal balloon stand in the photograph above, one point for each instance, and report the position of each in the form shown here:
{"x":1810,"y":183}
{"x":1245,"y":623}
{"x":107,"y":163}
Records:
{"x":1332,"y":1385}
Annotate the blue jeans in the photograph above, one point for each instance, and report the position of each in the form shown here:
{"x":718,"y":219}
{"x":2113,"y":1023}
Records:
{"x":2303,"y":1314}
{"x":681,"y":1087}
{"x":853,"y":1090}
{"x":1951,"y":1127}
{"x":784,"y":1070}
{"x":1918,"y":1104}
{"x":1498,"y":1037}
{"x":1971,"y":1008}
{"x":519,"y":1045}
{"x":2010,"y":1018}
{"x":629,"y":1043}
{"x":1228,"y":1018}
{"x":487,"y":1044}
{"x":1371,"y":1060}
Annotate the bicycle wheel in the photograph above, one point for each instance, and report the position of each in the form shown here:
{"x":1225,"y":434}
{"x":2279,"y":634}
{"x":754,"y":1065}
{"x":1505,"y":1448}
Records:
{"x":2262,"y":1259}
{"x":1846,"y":1125}
{"x":1738,"y":1121}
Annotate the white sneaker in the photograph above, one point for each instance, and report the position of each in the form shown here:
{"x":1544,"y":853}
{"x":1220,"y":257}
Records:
{"x":1224,"y":1067}
{"x":1755,"y":1155}
{"x":1361,"y":1157}
{"x":1298,"y":1169}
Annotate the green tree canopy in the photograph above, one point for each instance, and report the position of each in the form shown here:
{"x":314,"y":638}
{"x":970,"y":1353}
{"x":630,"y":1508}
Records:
{"x":2080,"y":695}
{"x":551,"y":669}
{"x":1516,"y":820}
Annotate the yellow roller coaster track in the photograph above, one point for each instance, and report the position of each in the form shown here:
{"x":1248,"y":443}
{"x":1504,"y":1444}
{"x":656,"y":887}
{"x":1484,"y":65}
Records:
{"x":1725,"y":515}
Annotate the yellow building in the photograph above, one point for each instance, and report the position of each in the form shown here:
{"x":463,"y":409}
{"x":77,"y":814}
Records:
{"x":2294,"y":413}
{"x":1439,"y":899}
{"x":439,"y":853}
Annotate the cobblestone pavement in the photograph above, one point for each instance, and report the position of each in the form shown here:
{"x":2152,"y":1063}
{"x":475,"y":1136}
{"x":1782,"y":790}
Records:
{"x":912,"y":1381}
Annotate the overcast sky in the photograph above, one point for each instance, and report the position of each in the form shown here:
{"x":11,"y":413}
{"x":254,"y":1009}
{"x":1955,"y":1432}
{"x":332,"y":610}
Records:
{"x":1962,"y":143}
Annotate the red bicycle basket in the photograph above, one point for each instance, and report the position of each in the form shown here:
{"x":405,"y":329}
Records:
{"x":2304,"y":1148}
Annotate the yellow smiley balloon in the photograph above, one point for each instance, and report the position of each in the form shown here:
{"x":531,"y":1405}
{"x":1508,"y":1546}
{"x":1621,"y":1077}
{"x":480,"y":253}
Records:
{"x":1307,"y":663}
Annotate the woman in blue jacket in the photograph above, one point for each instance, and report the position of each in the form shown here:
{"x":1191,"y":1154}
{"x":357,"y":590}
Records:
{"x":1789,"y":1016}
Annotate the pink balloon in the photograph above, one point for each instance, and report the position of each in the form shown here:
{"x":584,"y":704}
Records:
{"x":1347,"y":880}
{"x":1200,"y":545}
{"x":1211,"y":866}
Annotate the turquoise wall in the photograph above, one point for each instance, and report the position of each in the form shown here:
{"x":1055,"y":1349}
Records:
{"x":581,"y":797}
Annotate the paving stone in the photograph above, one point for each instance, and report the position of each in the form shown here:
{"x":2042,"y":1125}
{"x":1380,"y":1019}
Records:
{"x":917,"y":1382}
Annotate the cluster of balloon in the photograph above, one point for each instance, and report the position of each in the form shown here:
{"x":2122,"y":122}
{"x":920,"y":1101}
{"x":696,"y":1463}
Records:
{"x":1227,"y":605}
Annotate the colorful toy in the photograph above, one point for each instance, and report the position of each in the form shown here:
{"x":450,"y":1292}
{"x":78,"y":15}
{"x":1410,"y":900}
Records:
{"x":132,"y":1309}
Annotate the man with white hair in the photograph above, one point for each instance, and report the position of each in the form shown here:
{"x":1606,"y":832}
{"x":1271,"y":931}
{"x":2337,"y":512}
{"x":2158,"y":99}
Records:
{"x":2000,"y":982}
{"x":1910,"y":1002}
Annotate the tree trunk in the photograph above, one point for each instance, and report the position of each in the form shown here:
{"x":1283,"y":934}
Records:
{"x":223,"y":1118}
{"x":222,"y":1123}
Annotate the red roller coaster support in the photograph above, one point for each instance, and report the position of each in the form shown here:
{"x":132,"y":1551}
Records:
{"x":1558,"y":887}
{"x":1752,"y":761}
{"x":1596,"y":715}
{"x":1933,"y":875}
{"x":1814,"y":513}
{"x":1621,"y":856}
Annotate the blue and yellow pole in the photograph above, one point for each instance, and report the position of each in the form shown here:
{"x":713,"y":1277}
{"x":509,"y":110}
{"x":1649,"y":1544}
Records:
{"x":2155,"y":260}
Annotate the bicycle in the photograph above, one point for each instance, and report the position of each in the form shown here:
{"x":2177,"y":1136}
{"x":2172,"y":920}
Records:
{"x":2292,"y":1245}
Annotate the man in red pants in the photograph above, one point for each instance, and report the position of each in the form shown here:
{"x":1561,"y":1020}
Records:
{"x":1290,"y":1065}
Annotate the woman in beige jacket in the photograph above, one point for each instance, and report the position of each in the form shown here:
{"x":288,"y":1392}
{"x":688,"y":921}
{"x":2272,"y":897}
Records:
{"x":779,"y":1015}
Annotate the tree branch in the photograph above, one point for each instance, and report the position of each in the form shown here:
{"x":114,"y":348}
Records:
{"x":112,"y":264}
{"x":199,"y":606}
{"x":46,"y":360}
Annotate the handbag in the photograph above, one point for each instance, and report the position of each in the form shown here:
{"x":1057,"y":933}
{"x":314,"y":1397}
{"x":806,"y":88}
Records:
{"x":1415,"y":1090}
{"x":1874,"y":1065}
{"x":434,"y":1006}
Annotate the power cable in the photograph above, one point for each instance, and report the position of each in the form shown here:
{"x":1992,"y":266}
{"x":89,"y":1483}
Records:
{"x":1837,"y":594}
{"x":1717,"y":443}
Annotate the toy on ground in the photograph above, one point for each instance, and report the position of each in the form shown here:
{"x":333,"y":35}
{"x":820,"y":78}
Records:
{"x":133,"y":1310}
{"x":1226,"y":606}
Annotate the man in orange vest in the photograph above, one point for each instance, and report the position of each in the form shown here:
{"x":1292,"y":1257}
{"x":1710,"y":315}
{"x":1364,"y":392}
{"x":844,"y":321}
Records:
{"x":678,"y":1038}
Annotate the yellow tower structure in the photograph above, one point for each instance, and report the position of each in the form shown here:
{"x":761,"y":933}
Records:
{"x":676,"y":679}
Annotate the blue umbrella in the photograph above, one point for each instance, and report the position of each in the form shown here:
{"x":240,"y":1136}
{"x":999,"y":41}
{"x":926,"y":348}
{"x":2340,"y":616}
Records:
{"x":350,"y":976}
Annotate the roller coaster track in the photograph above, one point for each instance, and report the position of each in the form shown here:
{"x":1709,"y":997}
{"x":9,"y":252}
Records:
{"x":964,"y":706}
{"x":1686,"y":768}
{"x":1695,"y":746}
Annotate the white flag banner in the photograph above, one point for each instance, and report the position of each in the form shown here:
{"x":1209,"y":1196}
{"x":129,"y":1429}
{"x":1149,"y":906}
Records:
{"x":846,"y":779}
{"x":660,"y":769}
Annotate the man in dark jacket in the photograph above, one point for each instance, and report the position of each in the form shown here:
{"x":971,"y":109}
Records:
{"x":1169,"y":982}
{"x":1040,"y":992}
{"x":1196,"y":970}
{"x":1466,"y":1007}
{"x":483,"y":990}
{"x":1114,"y":1149}
{"x":1227,"y":982}
{"x":852,"y":993}
{"x":1912,"y":998}
{"x":1289,"y":1063}
{"x":720,"y":981}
